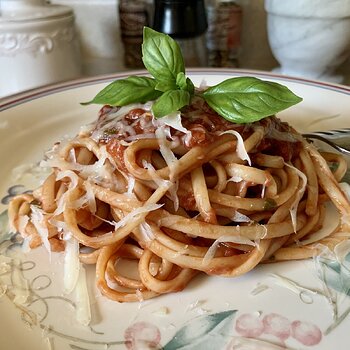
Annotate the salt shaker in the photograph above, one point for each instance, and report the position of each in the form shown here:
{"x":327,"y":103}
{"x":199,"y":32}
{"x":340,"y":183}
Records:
{"x":186,"y":22}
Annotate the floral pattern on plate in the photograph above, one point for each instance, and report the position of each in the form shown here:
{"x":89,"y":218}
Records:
{"x":227,"y":330}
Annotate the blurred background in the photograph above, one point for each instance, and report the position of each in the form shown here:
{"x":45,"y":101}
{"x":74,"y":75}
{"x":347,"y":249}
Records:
{"x":67,"y":39}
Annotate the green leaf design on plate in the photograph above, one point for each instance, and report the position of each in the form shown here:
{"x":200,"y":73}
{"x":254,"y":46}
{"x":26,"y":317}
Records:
{"x":336,"y":275}
{"x":204,"y":333}
{"x":346,"y":177}
{"x":5,"y":234}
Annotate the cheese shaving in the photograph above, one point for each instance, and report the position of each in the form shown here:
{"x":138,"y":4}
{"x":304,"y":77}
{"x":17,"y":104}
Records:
{"x":61,"y":203}
{"x":166,"y":152}
{"x":234,"y":178}
{"x":240,"y":148}
{"x":233,"y":239}
{"x":37,"y":218}
{"x":162,"y":311}
{"x":171,"y":162}
{"x":100,"y":170}
{"x":146,"y":232}
{"x":172,"y":187}
{"x":294,"y":207}
{"x":153,"y":173}
{"x":88,"y":198}
{"x":259,"y":288}
{"x":195,"y":305}
{"x":173,"y":120}
{"x":114,"y":120}
{"x":130,"y":216}
{"x":239,"y":217}
{"x":139,"y":296}
{"x":22,"y":222}
{"x":83,"y":310}
{"x":131,"y":185}
{"x":71,"y":264}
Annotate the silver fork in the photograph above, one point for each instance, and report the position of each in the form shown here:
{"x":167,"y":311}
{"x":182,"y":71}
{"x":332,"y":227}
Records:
{"x":339,"y":139}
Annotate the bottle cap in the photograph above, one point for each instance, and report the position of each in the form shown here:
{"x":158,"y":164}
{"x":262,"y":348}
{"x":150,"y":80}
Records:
{"x":180,"y":18}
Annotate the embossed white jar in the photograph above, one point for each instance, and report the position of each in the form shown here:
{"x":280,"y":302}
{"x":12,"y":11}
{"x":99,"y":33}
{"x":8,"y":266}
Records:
{"x":38,"y":45}
{"x":309,"y":38}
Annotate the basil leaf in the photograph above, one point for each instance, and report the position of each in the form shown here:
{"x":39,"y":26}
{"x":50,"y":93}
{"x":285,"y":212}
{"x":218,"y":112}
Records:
{"x":162,"y":56}
{"x":190,"y":86}
{"x":181,"y":81}
{"x":125,"y":91}
{"x":169,"y":102}
{"x":184,"y":83}
{"x":247,"y":99}
{"x":165,"y":86}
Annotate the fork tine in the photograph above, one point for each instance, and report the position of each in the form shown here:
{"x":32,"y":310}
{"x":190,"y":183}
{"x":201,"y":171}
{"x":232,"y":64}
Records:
{"x":331,"y":133}
{"x":334,"y":142}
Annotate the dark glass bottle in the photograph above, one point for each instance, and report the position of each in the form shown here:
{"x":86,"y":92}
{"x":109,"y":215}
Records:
{"x":186,"y":22}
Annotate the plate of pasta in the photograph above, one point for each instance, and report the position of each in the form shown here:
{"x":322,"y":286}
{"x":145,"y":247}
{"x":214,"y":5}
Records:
{"x":132,"y":227}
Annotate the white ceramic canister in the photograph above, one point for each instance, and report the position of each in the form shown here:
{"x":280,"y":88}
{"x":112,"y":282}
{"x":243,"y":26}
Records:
{"x":309,"y":38}
{"x":38,"y":45}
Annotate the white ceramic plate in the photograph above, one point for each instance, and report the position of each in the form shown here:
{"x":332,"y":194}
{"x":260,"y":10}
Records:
{"x":212,"y":312}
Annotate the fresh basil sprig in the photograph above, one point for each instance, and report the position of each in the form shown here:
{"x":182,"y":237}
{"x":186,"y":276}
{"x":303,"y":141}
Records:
{"x":169,"y":87}
{"x":239,"y":100}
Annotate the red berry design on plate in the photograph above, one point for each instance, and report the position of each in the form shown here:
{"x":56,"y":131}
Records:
{"x":277,"y":325}
{"x":306,"y":333}
{"x":142,"y":335}
{"x":249,"y":325}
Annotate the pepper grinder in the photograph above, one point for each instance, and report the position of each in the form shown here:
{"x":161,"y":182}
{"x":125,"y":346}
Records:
{"x":133,"y":17}
{"x":186,"y":22}
{"x":223,"y":35}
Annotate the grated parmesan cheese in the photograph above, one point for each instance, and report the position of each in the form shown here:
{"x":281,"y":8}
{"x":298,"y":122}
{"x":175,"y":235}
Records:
{"x":146,"y":232}
{"x":83,"y":309}
{"x":173,"y":120}
{"x":294,"y":207}
{"x":71,"y":264}
{"x":130,"y":216}
{"x":240,"y":149}
{"x":37,"y":218}
{"x":233,"y":239}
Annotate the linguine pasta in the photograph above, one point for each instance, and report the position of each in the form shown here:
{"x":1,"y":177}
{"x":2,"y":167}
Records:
{"x":185,"y":194}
